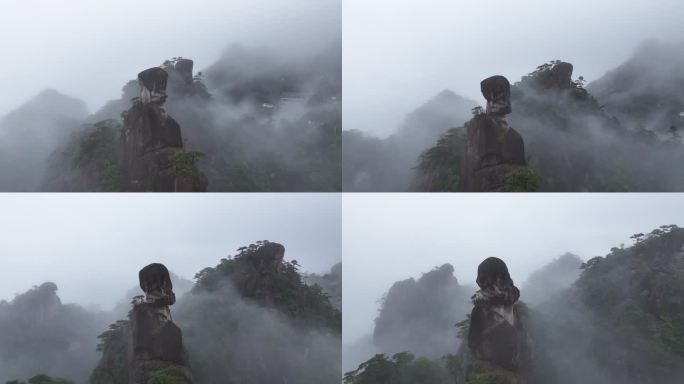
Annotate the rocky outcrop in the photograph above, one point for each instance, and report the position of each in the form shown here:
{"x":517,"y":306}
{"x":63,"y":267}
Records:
{"x":417,"y":315}
{"x":181,"y":79}
{"x":497,"y":338}
{"x":155,"y":341}
{"x":152,"y":156}
{"x":558,"y":76}
{"x":494,"y":152}
{"x":330,"y":283}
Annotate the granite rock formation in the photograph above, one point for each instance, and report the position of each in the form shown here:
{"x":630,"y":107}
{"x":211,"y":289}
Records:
{"x":497,"y":338}
{"x":152,"y":146}
{"x":155,"y":341}
{"x":494,"y":151}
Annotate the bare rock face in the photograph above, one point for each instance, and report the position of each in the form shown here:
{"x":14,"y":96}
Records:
{"x":181,"y":71}
{"x":557,"y":76}
{"x":497,"y":338}
{"x":494,"y":150}
{"x":497,"y":92}
{"x":152,"y":84}
{"x":152,"y":144}
{"x":155,"y":342}
{"x":155,"y":281}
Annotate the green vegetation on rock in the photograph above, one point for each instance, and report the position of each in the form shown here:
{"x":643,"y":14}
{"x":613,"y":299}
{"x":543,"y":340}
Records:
{"x":521,"y":179}
{"x":439,"y":168}
{"x":113,"y":366}
{"x":96,"y":156}
{"x":169,"y":376}
{"x":271,"y":281}
{"x":401,"y":368}
{"x":185,"y":162}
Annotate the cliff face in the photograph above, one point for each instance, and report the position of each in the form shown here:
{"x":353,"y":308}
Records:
{"x":419,"y":315}
{"x":572,"y":143}
{"x":40,"y":334}
{"x":148,"y":346}
{"x":152,"y":143}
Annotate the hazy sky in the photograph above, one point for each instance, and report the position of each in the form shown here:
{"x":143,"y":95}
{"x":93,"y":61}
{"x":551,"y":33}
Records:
{"x":391,"y":237}
{"x":398,"y":54}
{"x":93,"y":245}
{"x":90,"y":49}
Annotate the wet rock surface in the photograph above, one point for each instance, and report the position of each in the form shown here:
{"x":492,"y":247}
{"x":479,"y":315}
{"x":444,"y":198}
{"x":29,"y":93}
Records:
{"x":494,"y":151}
{"x":155,"y":341}
{"x":497,"y":338}
{"x":152,"y":145}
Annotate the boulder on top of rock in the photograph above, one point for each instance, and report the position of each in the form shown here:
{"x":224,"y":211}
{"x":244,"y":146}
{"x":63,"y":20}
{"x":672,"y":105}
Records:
{"x":152,"y":84}
{"x":497,"y":91}
{"x":155,"y":342}
{"x":151,"y":151}
{"x":155,"y":281}
{"x":494,"y":151}
{"x":497,"y":338}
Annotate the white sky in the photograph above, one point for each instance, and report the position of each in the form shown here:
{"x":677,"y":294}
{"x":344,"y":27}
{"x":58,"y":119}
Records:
{"x":391,"y":237}
{"x":93,"y":245}
{"x":398,"y":54}
{"x":90,"y":49}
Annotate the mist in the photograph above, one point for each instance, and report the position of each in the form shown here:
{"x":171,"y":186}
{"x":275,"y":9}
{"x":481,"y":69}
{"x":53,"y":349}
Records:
{"x":70,"y":264}
{"x":230,"y":337}
{"x":264,"y":106}
{"x":89,"y":51}
{"x":390,"y":238}
{"x":389,"y":71}
{"x":619,"y":133}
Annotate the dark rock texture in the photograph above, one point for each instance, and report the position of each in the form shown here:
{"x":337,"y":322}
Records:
{"x":418,"y":315}
{"x":493,"y":149}
{"x":155,"y":342}
{"x":155,"y":281}
{"x":497,"y":338}
{"x":152,"y":82}
{"x":152,"y":145}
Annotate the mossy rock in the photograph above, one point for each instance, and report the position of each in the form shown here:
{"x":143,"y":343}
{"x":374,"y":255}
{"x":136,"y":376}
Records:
{"x":171,"y":374}
{"x":482,"y":372}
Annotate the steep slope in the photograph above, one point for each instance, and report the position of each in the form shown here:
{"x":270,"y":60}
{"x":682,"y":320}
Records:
{"x":622,"y":321}
{"x":419,"y":316}
{"x":647,"y":91}
{"x":39,"y":334}
{"x":30,"y":133}
{"x":372,"y":164}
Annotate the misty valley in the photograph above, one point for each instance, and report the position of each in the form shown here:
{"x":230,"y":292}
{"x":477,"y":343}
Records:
{"x":621,"y":132}
{"x":617,"y":318}
{"x":253,"y":318}
{"x":256,"y":120}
